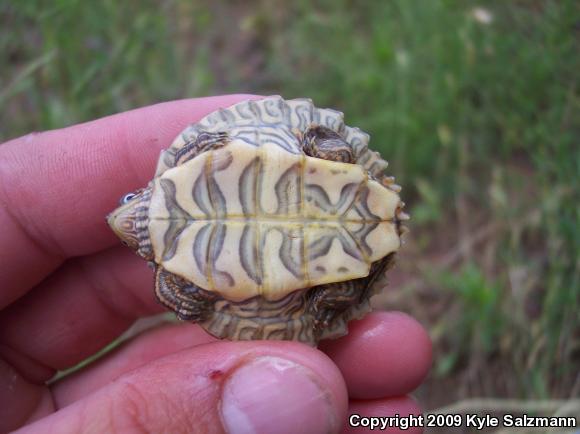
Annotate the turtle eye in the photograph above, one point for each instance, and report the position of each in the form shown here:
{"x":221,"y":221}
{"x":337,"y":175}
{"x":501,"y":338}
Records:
{"x":127,"y":198}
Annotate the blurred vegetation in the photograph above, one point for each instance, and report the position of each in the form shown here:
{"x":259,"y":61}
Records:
{"x":475,"y":104}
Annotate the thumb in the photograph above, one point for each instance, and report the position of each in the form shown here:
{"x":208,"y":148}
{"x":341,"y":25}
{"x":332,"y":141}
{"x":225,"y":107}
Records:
{"x":236,"y":387}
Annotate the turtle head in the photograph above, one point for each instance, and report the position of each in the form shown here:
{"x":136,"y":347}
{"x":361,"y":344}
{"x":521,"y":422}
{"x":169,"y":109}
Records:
{"x":131,"y":220}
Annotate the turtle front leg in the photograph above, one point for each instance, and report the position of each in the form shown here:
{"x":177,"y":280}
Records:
{"x":205,"y":141}
{"x":187,"y":300}
{"x":322,"y":142}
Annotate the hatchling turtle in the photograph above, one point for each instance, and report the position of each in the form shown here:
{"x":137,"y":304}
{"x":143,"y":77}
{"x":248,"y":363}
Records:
{"x":270,"y":219}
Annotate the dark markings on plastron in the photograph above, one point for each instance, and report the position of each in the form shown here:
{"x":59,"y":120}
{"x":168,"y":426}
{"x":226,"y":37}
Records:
{"x":370,"y":221}
{"x":210,"y":199}
{"x":288,"y":191}
{"x":216,"y":197}
{"x":352,"y":246}
{"x":320,"y":247}
{"x":247,"y":192}
{"x":249,"y":253}
{"x":178,"y":220}
{"x":216,"y":245}
{"x":200,"y":193}
{"x":363,"y":202}
{"x":348,"y":194}
{"x":292,"y":250}
{"x":321,"y":199}
{"x":355,"y":200}
{"x":360,"y":236}
{"x":169,"y":191}
{"x":201,"y":248}
{"x":356,"y":210}
{"x":316,"y":194}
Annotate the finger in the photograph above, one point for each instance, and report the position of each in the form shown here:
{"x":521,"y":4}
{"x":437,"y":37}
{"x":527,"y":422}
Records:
{"x":20,"y":399}
{"x":29,"y":397}
{"x":144,"y":348}
{"x":56,"y":187}
{"x":395,"y":414}
{"x":241,"y":387}
{"x":385,"y":354}
{"x":77,"y":311}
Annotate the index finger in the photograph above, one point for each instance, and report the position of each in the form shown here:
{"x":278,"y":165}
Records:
{"x":57,"y":186}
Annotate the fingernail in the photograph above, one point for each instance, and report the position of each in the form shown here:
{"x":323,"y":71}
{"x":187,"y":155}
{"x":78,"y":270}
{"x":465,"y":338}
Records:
{"x":274,"y":395}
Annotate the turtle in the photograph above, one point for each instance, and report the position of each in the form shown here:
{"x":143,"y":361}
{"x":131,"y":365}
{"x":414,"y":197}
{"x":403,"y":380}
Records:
{"x":269,"y":219}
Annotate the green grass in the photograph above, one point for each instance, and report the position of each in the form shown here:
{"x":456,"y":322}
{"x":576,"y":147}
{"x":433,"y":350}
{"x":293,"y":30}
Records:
{"x":480,"y":121}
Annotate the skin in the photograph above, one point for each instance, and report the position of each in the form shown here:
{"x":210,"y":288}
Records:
{"x":69,"y":288}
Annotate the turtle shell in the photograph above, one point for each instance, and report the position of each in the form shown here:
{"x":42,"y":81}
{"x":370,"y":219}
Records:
{"x":260,"y":235}
{"x":255,"y":219}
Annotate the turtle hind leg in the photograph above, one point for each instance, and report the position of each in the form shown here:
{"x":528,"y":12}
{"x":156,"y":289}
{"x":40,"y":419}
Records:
{"x":205,"y":141}
{"x":188,"y":301}
{"x":333,"y":305}
{"x":329,"y":302}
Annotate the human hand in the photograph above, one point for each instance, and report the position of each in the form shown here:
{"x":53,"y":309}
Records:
{"x":69,"y":288}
